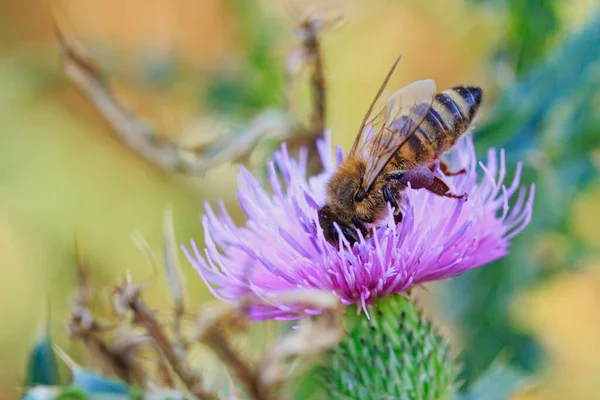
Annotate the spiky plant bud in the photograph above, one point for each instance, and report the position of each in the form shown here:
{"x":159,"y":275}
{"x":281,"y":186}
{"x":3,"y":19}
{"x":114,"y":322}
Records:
{"x":396,"y":354}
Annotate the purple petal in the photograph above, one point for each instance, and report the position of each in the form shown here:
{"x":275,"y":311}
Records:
{"x":282,"y":247}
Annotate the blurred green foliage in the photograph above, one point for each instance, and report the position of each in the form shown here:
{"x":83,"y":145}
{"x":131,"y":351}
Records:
{"x":499,"y":382}
{"x":528,"y":38}
{"x":531,"y":28}
{"x":546,"y":118}
{"x":44,"y":380}
{"x":256,"y":82}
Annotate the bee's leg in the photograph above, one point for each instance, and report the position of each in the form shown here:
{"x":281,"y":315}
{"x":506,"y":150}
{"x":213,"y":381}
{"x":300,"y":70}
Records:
{"x":418,"y":178}
{"x":359,"y":223}
{"x":446,"y":169}
{"x":398,"y":217}
{"x":441,"y":189}
{"x":388,"y":196}
{"x":349,"y":233}
{"x":327,"y":221}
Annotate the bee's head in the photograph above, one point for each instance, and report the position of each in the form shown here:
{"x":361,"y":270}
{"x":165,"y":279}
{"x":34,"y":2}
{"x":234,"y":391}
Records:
{"x":328,"y":219}
{"x":345,"y":201}
{"x":344,"y":190}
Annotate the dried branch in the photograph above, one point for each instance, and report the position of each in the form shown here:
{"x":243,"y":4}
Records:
{"x":163,"y":371}
{"x":118,"y":357}
{"x":212,"y":327}
{"x":315,"y":336}
{"x":261,"y":381}
{"x":83,"y":296}
{"x":101,"y":353}
{"x":311,"y":338}
{"x":174,"y":277}
{"x":159,"y":149}
{"x":129,"y":297}
{"x":293,"y":65}
{"x":309,"y":29}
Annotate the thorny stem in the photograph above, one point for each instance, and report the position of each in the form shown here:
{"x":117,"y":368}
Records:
{"x":191,"y":379}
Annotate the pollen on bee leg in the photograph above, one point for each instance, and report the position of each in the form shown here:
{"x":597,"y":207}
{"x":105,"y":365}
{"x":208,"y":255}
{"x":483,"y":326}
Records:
{"x":398,"y":216}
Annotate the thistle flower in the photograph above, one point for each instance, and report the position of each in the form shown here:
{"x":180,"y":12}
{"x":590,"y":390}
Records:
{"x":282,"y":247}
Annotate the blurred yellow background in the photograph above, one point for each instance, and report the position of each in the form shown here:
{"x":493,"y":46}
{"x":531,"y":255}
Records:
{"x":62,"y":171}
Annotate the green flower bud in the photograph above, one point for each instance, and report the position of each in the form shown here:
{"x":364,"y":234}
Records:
{"x":394,"y":354}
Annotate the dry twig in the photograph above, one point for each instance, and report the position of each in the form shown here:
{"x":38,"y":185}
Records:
{"x":156,"y":148}
{"x":174,"y":277}
{"x":263,"y":380}
{"x":308,"y":32}
{"x":212,"y":331}
{"x":128,"y":296}
{"x":312,"y":337}
{"x":120,"y":355}
{"x":309,"y":29}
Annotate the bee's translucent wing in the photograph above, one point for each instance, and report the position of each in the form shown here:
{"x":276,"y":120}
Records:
{"x":391,"y":128}
{"x":374,"y":113}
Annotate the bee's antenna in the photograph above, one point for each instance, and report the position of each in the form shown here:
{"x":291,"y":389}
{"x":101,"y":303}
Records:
{"x":377,"y":96}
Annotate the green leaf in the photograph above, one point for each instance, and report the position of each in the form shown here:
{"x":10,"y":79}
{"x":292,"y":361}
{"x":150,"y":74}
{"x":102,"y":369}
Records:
{"x":94,"y":384}
{"x":563,"y":85}
{"x":71,"y":392}
{"x":258,"y":79}
{"x":526,"y":40}
{"x":42,"y":393}
{"x":528,"y":37}
{"x":42,"y":368}
{"x":499,"y":382}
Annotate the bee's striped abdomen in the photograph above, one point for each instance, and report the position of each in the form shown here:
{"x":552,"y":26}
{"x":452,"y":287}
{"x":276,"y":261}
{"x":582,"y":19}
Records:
{"x":456,"y":107}
{"x":450,"y":115}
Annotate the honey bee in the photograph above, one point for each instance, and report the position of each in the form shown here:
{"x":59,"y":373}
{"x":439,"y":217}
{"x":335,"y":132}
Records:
{"x":395,"y":147}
